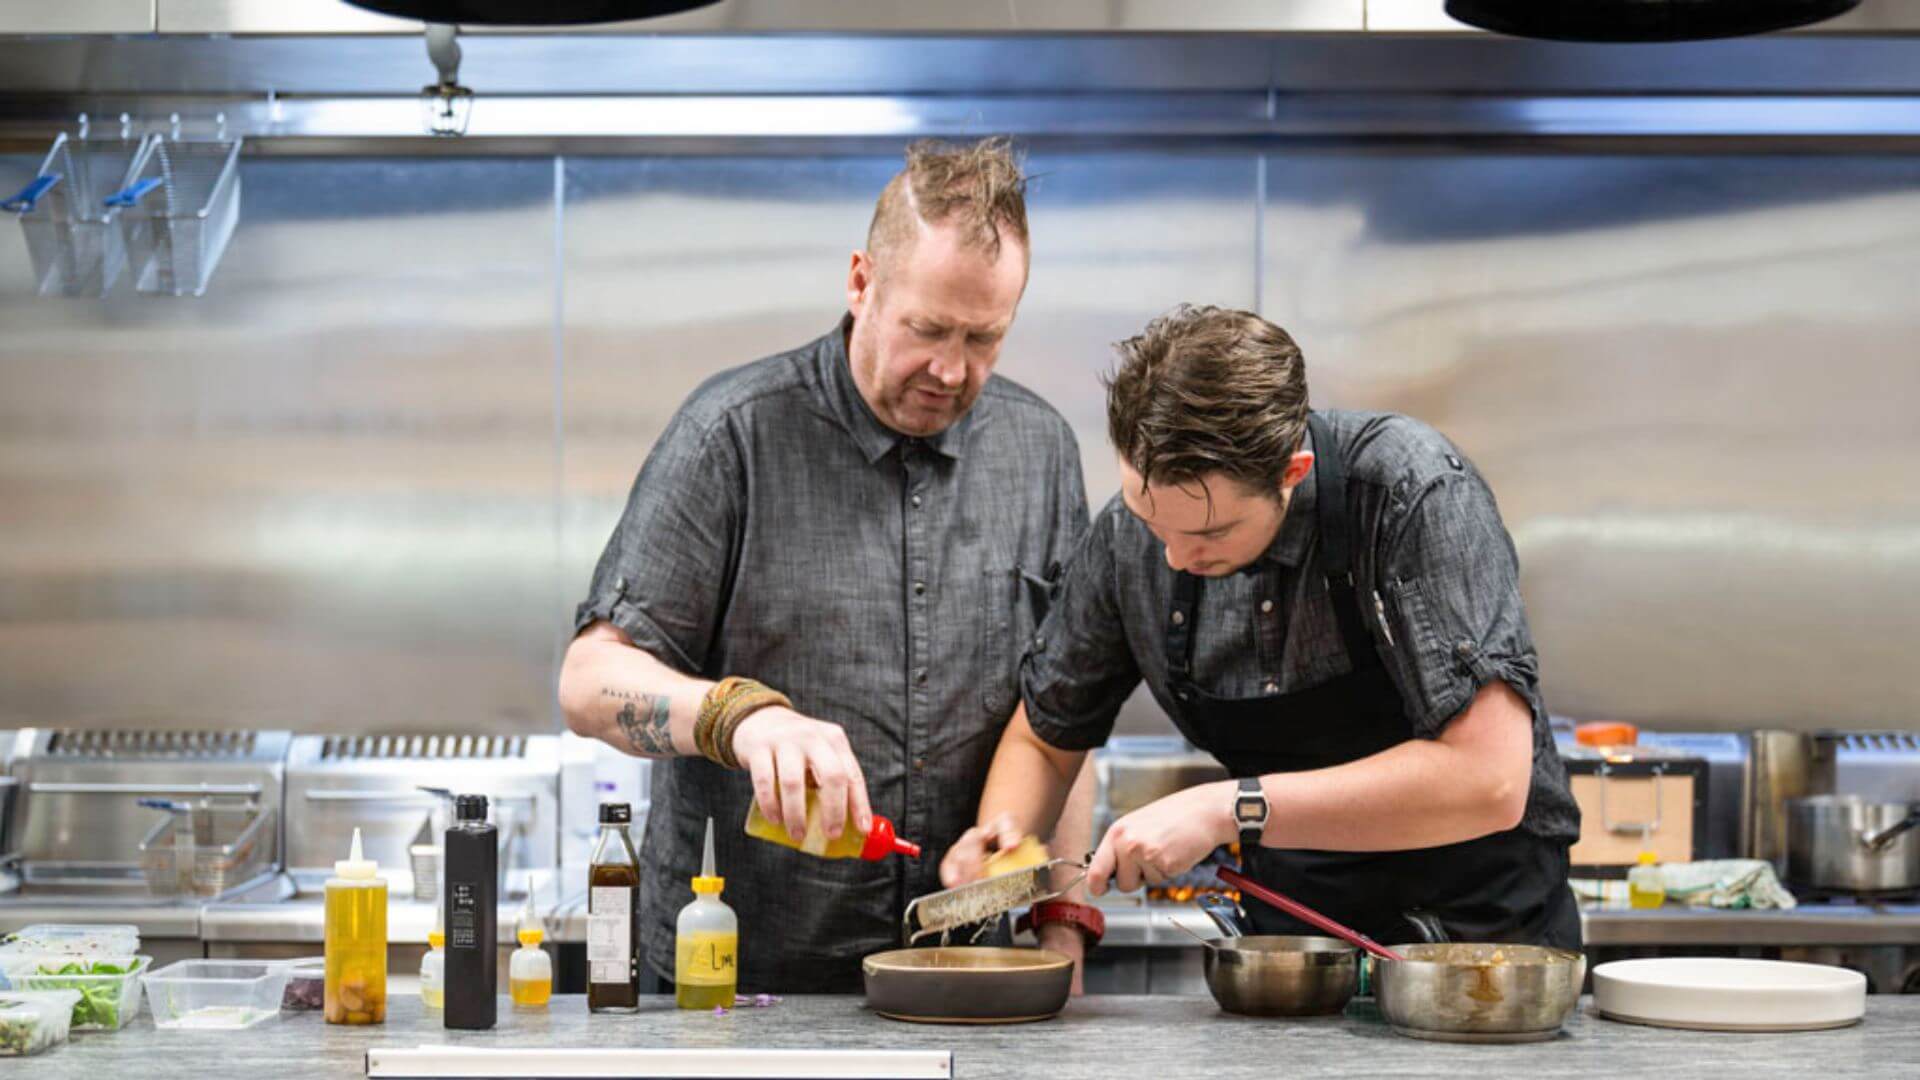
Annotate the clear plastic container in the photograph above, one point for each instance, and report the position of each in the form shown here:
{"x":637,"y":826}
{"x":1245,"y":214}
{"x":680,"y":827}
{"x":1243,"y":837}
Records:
{"x":109,"y":986}
{"x":60,"y":939}
{"x":306,"y":985}
{"x":33,"y":1021}
{"x":217,"y":995}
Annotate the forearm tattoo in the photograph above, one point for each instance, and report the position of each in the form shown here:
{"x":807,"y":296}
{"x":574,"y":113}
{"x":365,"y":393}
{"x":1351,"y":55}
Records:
{"x":645,"y":720}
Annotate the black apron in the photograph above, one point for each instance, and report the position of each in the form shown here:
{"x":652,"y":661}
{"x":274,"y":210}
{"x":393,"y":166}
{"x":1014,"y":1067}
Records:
{"x":1506,"y":887}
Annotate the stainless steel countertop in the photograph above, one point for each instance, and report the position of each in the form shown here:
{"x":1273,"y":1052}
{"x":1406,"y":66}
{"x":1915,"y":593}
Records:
{"x":1132,"y":925}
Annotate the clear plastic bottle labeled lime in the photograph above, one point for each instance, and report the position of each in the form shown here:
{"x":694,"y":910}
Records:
{"x":356,"y":937}
{"x":706,"y":953}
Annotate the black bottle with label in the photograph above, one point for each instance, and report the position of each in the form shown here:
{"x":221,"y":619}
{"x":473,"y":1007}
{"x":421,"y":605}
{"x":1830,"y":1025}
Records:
{"x":472,"y":854}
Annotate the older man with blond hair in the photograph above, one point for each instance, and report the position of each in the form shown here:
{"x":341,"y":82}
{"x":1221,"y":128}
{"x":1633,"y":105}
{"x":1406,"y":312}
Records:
{"x":823,"y":577}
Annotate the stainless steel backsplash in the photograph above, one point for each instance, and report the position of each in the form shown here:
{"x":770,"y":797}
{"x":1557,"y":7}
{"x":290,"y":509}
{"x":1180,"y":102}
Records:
{"x":360,"y":485}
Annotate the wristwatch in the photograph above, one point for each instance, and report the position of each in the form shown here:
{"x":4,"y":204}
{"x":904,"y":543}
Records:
{"x":1250,"y":814}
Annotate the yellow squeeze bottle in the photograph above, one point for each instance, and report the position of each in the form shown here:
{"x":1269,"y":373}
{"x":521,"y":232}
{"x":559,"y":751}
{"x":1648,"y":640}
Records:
{"x":530,"y":971}
{"x":706,"y":952}
{"x":875,"y":844}
{"x":356,"y":935}
{"x":1646,"y":885}
{"x":433,"y":966}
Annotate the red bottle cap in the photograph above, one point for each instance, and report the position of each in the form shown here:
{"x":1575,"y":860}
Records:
{"x":881,"y":842}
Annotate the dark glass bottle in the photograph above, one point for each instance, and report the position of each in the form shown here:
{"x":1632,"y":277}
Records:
{"x":472,"y":913}
{"x":613,"y":926}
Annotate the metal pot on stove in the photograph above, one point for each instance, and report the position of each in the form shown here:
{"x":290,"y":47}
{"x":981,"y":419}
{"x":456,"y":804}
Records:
{"x":1849,"y":844}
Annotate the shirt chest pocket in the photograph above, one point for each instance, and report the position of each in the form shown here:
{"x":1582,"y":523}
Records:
{"x":1013,"y":601}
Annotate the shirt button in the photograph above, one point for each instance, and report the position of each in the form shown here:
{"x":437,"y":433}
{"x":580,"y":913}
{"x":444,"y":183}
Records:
{"x":1039,"y":643}
{"x":919,"y":588}
{"x":1272,"y":687}
{"x":919,"y":764}
{"x":1266,"y":607}
{"x":1465,"y":649}
{"x":1179,"y":618}
{"x":920,"y":676}
{"x":620,"y":585}
{"x":915,"y":500}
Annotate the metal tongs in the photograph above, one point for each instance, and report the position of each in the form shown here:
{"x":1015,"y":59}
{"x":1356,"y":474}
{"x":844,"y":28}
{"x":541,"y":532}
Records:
{"x":990,"y":898}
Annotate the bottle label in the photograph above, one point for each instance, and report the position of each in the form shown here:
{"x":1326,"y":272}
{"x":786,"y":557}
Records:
{"x":463,"y":915}
{"x":705,"y":958}
{"x":610,"y":934}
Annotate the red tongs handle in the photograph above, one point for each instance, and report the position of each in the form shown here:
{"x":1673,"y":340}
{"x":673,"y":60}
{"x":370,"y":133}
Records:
{"x":1305,"y":914}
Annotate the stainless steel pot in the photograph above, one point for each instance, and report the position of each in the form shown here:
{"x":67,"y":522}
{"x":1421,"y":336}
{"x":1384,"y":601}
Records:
{"x":1479,"y":993}
{"x":1847,"y":843}
{"x":1282,"y":975}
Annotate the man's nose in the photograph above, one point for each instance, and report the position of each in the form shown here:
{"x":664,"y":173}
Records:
{"x":1178,"y":558}
{"x":948,"y":368}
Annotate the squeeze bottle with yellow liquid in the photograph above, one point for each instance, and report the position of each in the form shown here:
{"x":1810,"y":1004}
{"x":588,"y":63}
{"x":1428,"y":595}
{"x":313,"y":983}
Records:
{"x":530,"y":971}
{"x":356,"y":936}
{"x":706,"y":943}
{"x":875,"y":844}
{"x":433,"y":966}
{"x":1646,"y":885}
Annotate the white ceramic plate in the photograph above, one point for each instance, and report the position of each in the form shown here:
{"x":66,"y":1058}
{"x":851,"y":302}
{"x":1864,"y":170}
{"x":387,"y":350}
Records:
{"x":1724,"y":994}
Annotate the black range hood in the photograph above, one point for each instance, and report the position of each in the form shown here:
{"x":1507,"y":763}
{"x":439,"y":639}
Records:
{"x":1642,"y":20}
{"x":529,"y":12}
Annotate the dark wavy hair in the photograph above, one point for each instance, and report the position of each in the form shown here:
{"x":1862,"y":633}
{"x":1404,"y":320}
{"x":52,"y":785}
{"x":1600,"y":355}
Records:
{"x":1206,"y":390}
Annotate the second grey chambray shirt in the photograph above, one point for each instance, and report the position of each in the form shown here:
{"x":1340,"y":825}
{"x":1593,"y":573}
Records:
{"x":1428,"y":539}
{"x":779,"y":531}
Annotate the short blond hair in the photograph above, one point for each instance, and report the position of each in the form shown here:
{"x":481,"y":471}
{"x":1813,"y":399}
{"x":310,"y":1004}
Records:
{"x":979,"y":187}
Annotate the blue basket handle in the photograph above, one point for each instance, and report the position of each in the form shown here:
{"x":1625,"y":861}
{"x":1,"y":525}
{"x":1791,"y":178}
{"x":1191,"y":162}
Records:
{"x":130,"y":195}
{"x":23,"y":202}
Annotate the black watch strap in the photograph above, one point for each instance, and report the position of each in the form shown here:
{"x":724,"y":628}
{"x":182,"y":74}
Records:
{"x":1250,"y":814}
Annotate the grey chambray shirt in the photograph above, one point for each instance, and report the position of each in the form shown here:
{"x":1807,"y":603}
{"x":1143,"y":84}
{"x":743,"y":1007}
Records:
{"x":1429,"y":540}
{"x":779,"y":531}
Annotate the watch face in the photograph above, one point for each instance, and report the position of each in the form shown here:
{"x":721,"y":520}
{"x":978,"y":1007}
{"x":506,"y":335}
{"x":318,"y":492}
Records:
{"x":1250,"y":809}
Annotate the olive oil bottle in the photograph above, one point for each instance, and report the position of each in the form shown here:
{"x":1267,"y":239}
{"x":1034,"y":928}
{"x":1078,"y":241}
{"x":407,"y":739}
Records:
{"x":613,"y":889}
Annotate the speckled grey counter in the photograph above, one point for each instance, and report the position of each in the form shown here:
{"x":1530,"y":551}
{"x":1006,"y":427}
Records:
{"x":1098,"y":1038}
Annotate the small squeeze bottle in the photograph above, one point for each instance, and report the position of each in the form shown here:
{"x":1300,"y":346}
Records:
{"x":706,"y":953}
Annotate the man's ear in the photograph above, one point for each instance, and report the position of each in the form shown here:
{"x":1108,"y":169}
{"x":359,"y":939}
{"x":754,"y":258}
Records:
{"x":860,"y":278}
{"x":1298,"y":467}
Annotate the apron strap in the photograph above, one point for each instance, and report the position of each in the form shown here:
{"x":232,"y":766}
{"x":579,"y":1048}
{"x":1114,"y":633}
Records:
{"x":1336,"y":543}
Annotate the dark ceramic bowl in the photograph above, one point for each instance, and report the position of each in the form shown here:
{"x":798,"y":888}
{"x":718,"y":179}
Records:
{"x":968,"y":984}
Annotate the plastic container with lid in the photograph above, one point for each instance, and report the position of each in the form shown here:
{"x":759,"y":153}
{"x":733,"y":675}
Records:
{"x":356,"y":933}
{"x":32,"y":1021}
{"x":706,"y":942}
{"x":530,"y":972}
{"x":62,"y":939}
{"x":217,"y":995}
{"x":109,"y":986}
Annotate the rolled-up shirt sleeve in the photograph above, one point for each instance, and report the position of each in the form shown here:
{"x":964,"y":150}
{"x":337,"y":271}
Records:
{"x":666,"y":570}
{"x":1451,"y":581}
{"x":1079,"y":669}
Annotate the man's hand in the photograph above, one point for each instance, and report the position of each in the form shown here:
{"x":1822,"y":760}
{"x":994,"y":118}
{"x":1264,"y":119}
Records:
{"x":966,"y":860}
{"x":782,"y":748}
{"x":1164,"y":839}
